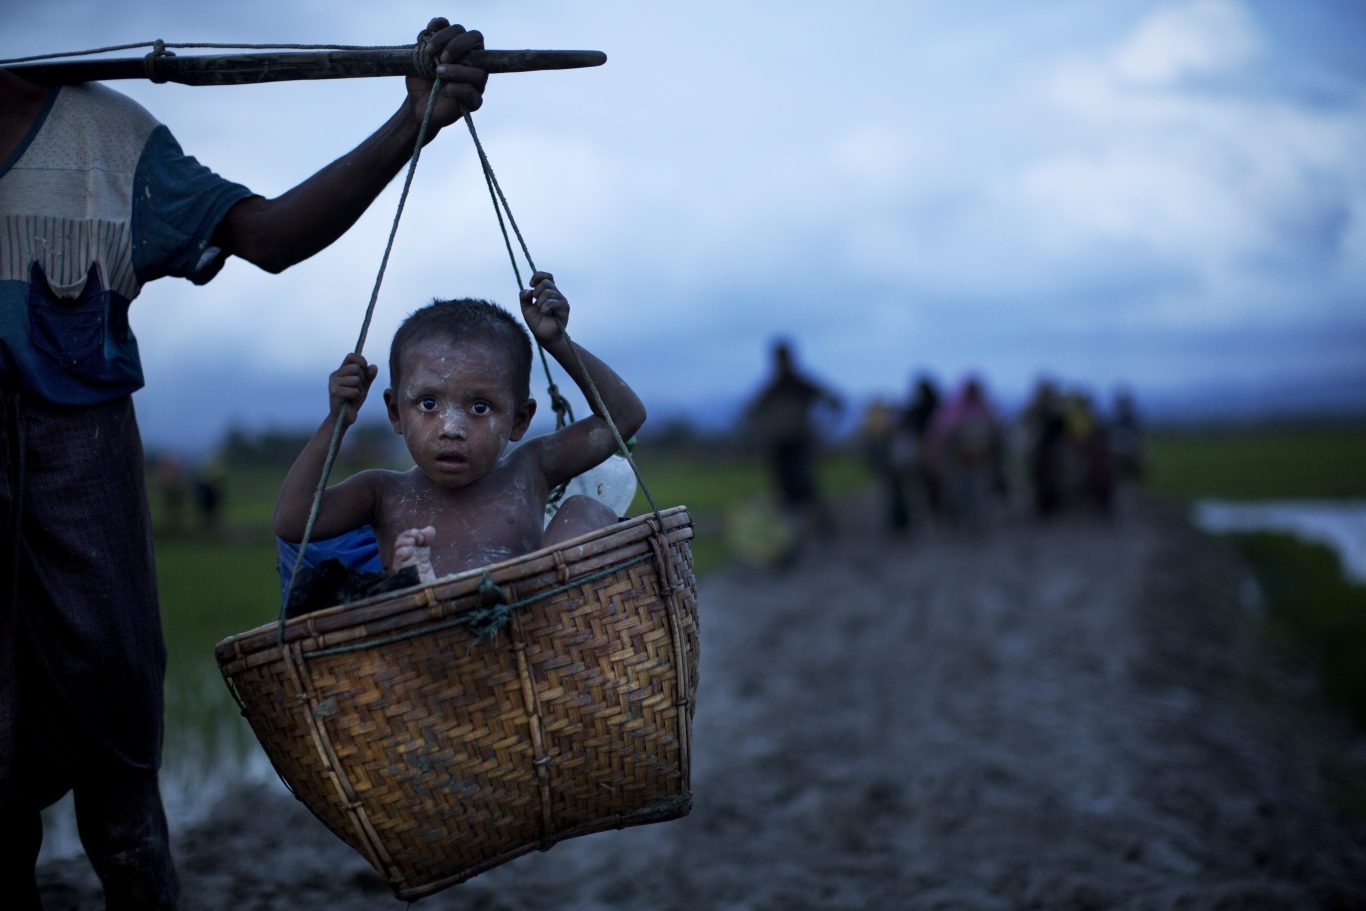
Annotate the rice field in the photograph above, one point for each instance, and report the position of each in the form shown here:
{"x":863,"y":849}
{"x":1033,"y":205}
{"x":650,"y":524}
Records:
{"x":221,"y":581}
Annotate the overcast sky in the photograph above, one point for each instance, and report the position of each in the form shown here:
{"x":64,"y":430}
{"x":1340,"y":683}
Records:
{"x":1169,"y":195}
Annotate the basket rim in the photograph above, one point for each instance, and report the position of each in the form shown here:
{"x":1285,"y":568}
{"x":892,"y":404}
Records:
{"x":593,"y":547}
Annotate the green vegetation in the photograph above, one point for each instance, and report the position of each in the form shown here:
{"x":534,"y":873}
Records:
{"x":1311,"y":602}
{"x":221,"y":581}
{"x":213,"y":582}
{"x":715,"y":488}
{"x":1314,"y":606}
{"x":1259,"y":463}
{"x":210,"y":588}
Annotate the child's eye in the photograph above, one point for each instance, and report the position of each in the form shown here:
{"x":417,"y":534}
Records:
{"x":426,"y":403}
{"x":481,"y":407}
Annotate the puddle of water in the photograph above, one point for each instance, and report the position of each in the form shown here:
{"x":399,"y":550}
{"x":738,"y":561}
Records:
{"x":1339,"y":524}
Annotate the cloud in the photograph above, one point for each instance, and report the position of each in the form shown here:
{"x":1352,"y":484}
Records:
{"x":993,"y":185}
{"x":1259,"y":196}
{"x":1186,"y":40}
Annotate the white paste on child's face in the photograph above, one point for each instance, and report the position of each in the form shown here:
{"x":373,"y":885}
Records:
{"x":456,"y":408}
{"x":453,"y":420}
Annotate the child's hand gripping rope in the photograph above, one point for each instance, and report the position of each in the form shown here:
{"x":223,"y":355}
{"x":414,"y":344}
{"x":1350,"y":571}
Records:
{"x":348,"y":386}
{"x":545,"y":309}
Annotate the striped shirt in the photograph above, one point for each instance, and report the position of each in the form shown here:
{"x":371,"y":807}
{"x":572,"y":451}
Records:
{"x":97,"y":200}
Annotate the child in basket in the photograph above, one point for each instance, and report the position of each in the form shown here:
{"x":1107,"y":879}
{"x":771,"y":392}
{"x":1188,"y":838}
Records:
{"x":461,"y":372}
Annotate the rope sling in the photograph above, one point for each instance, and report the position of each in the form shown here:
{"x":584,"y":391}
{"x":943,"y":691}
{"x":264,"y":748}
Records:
{"x":503,"y":211}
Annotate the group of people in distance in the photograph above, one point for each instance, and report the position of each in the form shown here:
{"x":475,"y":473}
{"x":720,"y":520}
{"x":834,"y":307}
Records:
{"x":954,"y":460}
{"x":960,"y":461}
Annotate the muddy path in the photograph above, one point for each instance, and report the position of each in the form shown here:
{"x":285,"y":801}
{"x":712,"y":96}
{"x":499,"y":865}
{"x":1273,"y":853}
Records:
{"x":1075,"y":717}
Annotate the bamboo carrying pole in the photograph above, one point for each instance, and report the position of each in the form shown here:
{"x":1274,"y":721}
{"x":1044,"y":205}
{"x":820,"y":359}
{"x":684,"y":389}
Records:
{"x":246,"y":69}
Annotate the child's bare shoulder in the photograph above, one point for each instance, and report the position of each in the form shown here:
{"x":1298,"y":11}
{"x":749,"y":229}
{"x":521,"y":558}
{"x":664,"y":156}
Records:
{"x":389,"y":479}
{"x":520,"y":465}
{"x":380,"y":481}
{"x":526,"y":455}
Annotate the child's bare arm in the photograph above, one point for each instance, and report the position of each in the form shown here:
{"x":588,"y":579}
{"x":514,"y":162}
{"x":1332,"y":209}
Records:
{"x":585,"y":443}
{"x":348,"y":504}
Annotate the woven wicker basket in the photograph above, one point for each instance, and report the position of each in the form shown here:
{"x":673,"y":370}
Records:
{"x":439,"y":747}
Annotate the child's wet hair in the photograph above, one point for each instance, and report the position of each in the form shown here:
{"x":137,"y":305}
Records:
{"x":463,"y":319}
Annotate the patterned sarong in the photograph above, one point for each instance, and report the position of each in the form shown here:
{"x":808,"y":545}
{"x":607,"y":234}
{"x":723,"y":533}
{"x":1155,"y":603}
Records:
{"x":82,"y":660}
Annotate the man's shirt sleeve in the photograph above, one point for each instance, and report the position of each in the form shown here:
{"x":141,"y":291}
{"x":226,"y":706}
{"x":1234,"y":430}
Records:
{"x":177,"y":205}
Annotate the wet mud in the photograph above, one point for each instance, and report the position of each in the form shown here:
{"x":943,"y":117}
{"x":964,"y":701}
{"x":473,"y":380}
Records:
{"x":1079,"y":716}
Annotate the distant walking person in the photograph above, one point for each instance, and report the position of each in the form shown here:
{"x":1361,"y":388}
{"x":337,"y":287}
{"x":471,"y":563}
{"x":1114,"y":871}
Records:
{"x":1126,"y":439}
{"x":781,"y":414}
{"x":877,"y":433}
{"x":965,"y":447}
{"x":910,"y":450}
{"x":209,"y":484}
{"x":1046,"y":435}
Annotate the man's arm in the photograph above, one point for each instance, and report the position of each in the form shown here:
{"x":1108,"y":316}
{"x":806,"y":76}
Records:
{"x":274,"y":234}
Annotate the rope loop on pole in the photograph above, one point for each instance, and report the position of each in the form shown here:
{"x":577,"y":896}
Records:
{"x":423,"y":61}
{"x":149,"y":61}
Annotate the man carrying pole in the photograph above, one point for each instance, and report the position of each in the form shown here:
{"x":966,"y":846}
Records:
{"x":96,"y":199}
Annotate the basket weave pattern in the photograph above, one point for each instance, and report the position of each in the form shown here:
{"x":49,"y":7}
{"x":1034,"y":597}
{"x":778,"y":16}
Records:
{"x":437,"y":753}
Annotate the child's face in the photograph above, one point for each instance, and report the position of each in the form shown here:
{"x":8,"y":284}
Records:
{"x":455,"y":408}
